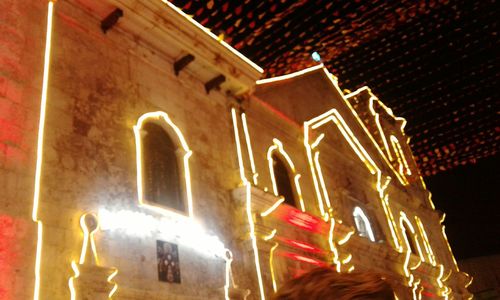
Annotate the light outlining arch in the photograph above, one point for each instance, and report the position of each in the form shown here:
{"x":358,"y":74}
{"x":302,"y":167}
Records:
{"x":248,"y":205}
{"x":425,"y":239}
{"x":278,"y":147}
{"x":249,"y":148}
{"x":162,"y":119}
{"x":403,"y":219}
{"x":373,"y":98}
{"x":404,"y":169}
{"x":358,"y":212}
{"x":39,"y":150}
{"x":412,"y":281}
{"x":312,"y":152}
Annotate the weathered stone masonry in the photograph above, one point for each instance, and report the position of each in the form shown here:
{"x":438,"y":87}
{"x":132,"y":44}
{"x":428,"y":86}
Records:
{"x":100,"y":84}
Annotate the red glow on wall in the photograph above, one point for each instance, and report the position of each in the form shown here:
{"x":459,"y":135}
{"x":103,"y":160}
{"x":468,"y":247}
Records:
{"x":302,"y":258}
{"x":301,"y":245}
{"x":302,"y":220}
{"x":8,"y":255}
{"x":276,"y":112}
{"x":429,"y":294}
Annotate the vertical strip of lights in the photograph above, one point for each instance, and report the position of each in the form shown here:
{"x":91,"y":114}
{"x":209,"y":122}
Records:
{"x":39,"y":154}
{"x":404,"y":169}
{"x":248,"y":198}
{"x":299,"y":192}
{"x":271,"y":258}
{"x":229,"y":259}
{"x":238,"y":145}
{"x":449,"y":248}
{"x":253,"y":237}
{"x":384,"y":198}
{"x":71,"y":281}
{"x":317,"y":166}
{"x":427,"y":245}
{"x":333,"y":248}
{"x":249,"y":147}
{"x":271,"y":168}
{"x":312,"y":168}
{"x":379,"y":126}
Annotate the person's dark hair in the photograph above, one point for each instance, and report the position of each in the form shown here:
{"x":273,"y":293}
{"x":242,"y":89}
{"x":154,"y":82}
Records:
{"x":327,"y":284}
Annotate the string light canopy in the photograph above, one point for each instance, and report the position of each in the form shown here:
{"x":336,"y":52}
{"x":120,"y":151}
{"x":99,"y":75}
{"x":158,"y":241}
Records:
{"x":433,"y":62}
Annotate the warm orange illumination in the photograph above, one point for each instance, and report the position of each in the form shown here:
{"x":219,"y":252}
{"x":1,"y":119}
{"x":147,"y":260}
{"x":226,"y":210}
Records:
{"x":249,"y":147}
{"x":427,"y":245}
{"x":238,"y":144}
{"x":39,"y":151}
{"x":449,"y":247}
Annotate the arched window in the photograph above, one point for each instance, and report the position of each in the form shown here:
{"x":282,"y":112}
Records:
{"x":163,"y":177}
{"x":363,"y":224}
{"x":160,"y":167}
{"x":283,"y":183}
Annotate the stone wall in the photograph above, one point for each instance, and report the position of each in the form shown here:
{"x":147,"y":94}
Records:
{"x":100,"y":85}
{"x":22,"y":37}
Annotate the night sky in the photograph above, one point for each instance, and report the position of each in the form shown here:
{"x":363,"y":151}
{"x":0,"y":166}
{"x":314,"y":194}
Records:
{"x":469,"y":197}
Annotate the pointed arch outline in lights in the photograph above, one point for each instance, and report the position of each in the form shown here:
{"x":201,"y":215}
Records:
{"x":359,"y":212}
{"x":278,"y":146}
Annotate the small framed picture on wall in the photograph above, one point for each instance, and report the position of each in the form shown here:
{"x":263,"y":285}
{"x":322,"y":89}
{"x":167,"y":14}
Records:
{"x":168,"y":262}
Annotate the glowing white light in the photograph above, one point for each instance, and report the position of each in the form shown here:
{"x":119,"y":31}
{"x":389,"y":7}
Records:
{"x":359,"y":213}
{"x":315,"y":56}
{"x":184,"y":231}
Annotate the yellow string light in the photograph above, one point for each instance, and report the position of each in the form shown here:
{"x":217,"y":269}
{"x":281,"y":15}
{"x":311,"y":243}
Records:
{"x":271,"y":257}
{"x":238,"y":145}
{"x":249,"y":147}
{"x":270,"y":236}
{"x":427,"y":245}
{"x":346,"y":238}
{"x":449,"y":247}
{"x":213,"y":36}
{"x":39,"y":151}
{"x":273,"y":207}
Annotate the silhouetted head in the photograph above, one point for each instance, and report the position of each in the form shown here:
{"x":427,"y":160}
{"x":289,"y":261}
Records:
{"x":328,"y":284}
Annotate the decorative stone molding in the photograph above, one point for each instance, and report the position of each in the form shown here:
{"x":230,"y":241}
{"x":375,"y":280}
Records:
{"x":93,"y":282}
{"x":90,"y":280}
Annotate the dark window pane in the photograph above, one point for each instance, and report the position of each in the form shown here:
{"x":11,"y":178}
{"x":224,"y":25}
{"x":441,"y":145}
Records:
{"x":410,"y":239}
{"x":161,"y":172}
{"x":283,"y":181}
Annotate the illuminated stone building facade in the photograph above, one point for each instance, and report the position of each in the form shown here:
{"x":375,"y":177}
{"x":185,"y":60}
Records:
{"x":142,"y":159}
